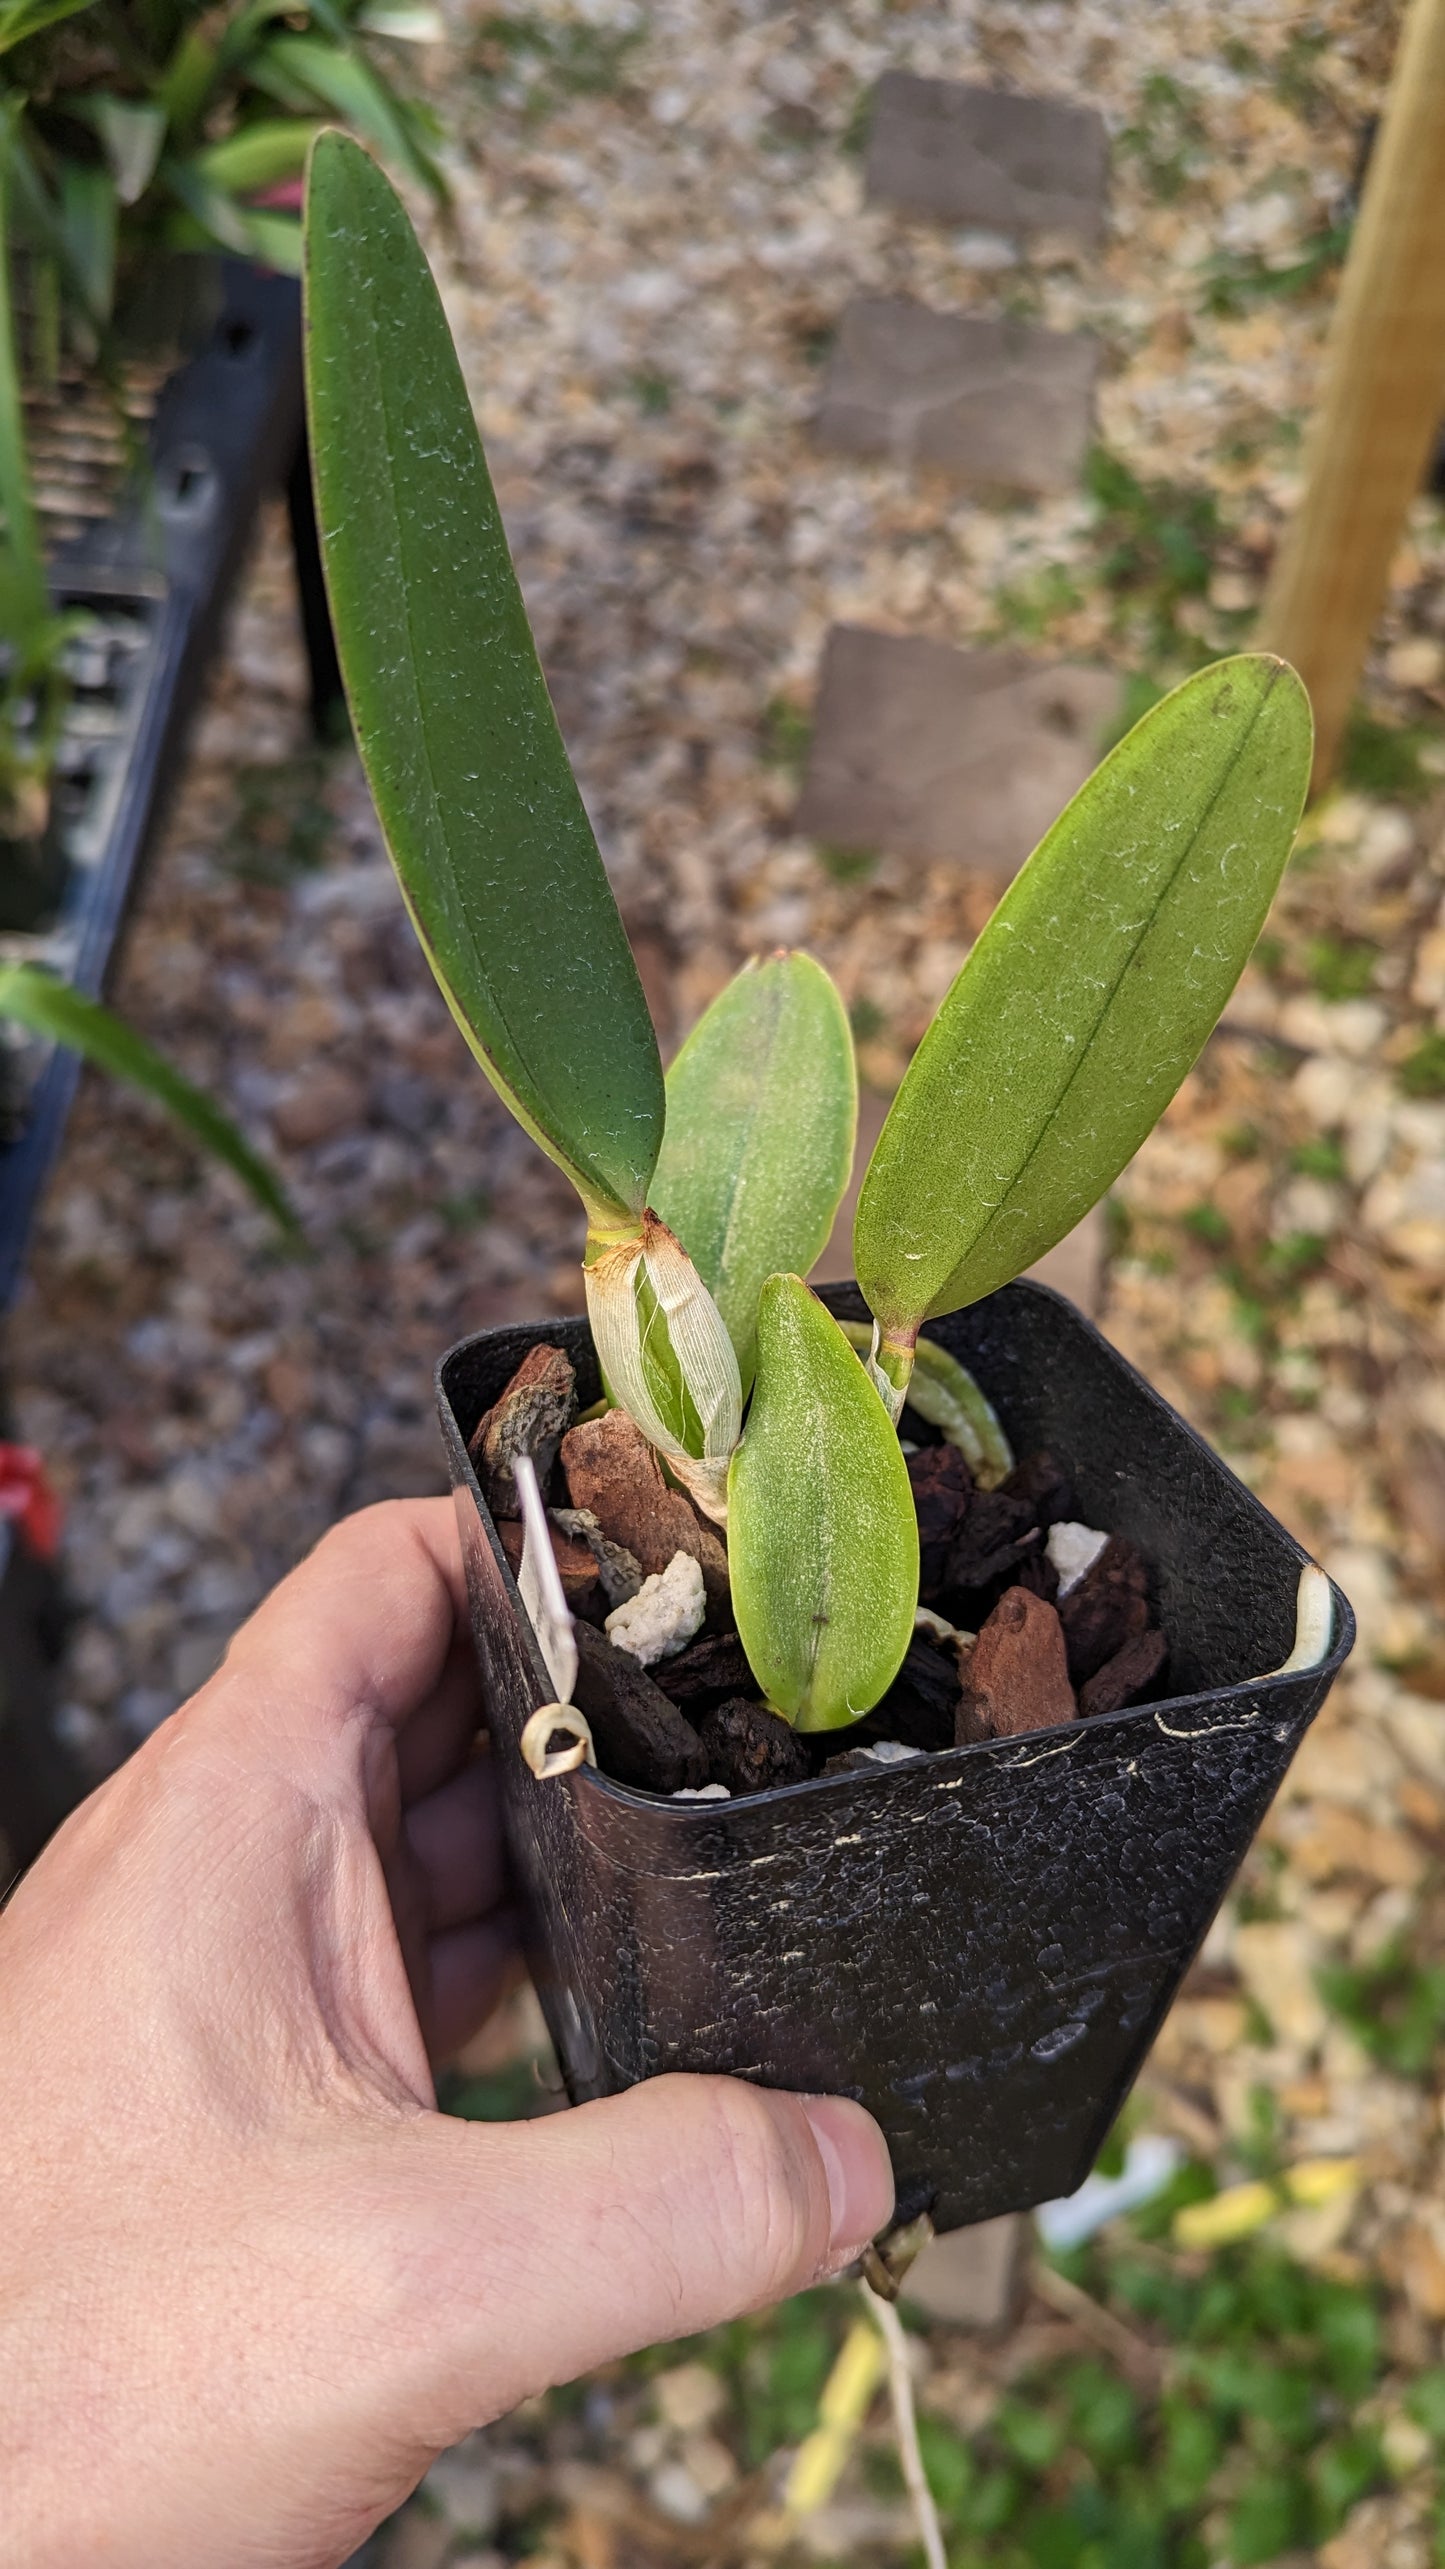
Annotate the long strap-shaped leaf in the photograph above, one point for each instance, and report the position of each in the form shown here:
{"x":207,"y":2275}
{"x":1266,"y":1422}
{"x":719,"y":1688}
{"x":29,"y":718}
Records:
{"x":762,"y":1105}
{"x":1088,"y":996}
{"x":481,"y":812}
{"x":48,"y":1007}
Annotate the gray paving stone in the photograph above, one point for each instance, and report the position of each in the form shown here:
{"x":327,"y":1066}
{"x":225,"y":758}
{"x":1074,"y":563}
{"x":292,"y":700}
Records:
{"x":1001,"y":404}
{"x":955,"y":757}
{"x":973,"y":2278}
{"x":987,"y":156}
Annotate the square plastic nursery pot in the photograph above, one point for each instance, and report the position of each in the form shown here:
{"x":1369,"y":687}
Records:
{"x":981,"y":1944}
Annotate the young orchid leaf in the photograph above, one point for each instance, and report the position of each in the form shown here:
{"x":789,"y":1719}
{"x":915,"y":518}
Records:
{"x":944,"y":1392}
{"x":31,"y":998}
{"x":1086,"y":999}
{"x":822,"y":1534}
{"x":482,"y":815}
{"x":762,"y":1108}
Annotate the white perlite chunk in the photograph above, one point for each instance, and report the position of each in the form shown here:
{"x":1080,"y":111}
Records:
{"x":663,"y":1616}
{"x":701,"y":1793}
{"x":1073,"y":1549}
{"x":888,"y":1752}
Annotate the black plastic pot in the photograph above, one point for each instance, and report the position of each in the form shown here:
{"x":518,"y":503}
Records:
{"x":980,"y":1945}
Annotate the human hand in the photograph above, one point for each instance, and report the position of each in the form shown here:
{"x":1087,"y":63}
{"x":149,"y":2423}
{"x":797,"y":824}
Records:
{"x":251,"y":2282}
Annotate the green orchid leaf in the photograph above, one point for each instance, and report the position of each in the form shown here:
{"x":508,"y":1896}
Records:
{"x":1088,"y":996}
{"x":253,"y":233}
{"x":260,"y":155}
{"x":822,"y":1534}
{"x":481,"y":812}
{"x":25,"y":560}
{"x":131,"y":132}
{"x":22,"y":18}
{"x":88,"y":215}
{"x":762,"y":1107}
{"x":29,"y":997}
{"x":346,"y":83}
{"x":187,"y":81}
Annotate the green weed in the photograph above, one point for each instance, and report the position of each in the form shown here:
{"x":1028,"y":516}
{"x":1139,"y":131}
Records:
{"x":787,"y":734}
{"x":846,"y":864}
{"x":1205,"y":1223}
{"x":548,"y":63}
{"x":1422,"y":1072}
{"x":281,"y":823}
{"x":1324,"y":1158}
{"x":1394,"y":2007}
{"x":1166,"y":137}
{"x":1295,"y":82}
{"x":1032,"y":607}
{"x":1236,"y":281}
{"x":1340,"y":968}
{"x":1158,"y":538}
{"x":1287,"y":1262}
{"x":1384,"y":758}
{"x":651,"y":391}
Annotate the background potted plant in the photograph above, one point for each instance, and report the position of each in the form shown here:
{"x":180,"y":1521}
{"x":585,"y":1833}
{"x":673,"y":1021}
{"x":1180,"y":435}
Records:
{"x":979,"y":1942}
{"x":149,"y":239}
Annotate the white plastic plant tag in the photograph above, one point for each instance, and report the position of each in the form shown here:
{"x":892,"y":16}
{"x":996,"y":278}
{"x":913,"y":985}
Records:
{"x":1314,"y":1622}
{"x":540,"y":1585}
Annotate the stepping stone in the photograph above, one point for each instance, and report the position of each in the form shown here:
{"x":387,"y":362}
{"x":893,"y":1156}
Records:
{"x":987,"y":157}
{"x":973,"y":2278}
{"x":998,"y":403}
{"x":954,"y":757}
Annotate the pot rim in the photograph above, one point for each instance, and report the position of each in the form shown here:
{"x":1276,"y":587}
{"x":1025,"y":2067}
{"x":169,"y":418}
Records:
{"x":1021,"y":1750}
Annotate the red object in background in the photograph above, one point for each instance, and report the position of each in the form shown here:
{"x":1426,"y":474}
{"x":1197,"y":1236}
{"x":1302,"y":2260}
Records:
{"x":28,"y":1500}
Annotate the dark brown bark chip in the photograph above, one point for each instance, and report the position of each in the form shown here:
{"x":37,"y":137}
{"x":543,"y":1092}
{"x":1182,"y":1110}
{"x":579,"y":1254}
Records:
{"x":997,"y":1538}
{"x":1036,"y":1572}
{"x":1128,"y":1675}
{"x":1045,"y":1488}
{"x":749,"y":1748}
{"x":1018,"y":1677}
{"x":705,"y":1674}
{"x":1109,"y":1606}
{"x":581,"y":1578}
{"x":942,"y":1490}
{"x":532,"y":1417}
{"x":920,"y":1705}
{"x":639,"y":1736}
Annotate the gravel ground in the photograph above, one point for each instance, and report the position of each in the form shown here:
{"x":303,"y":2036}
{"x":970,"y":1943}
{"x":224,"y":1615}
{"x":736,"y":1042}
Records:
{"x":659,"y":219}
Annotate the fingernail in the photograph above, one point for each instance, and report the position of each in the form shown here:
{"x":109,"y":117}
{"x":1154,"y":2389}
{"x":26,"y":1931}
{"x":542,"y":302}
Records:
{"x":860,"y":2176}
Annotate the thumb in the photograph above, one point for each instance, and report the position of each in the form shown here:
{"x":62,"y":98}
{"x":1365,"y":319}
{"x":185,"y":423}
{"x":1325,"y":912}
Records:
{"x":559,"y":2245}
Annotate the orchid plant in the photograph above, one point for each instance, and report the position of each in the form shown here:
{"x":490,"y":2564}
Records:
{"x":709,"y":1194}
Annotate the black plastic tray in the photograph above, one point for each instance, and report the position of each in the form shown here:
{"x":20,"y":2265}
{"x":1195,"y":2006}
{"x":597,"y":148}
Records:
{"x":226,"y":432}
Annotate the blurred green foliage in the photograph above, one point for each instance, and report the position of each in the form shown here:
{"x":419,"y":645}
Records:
{"x":1340,"y":968}
{"x":1157,"y":547}
{"x":1394,"y":2007}
{"x":1167,"y":136}
{"x":543,"y":63}
{"x":1378,"y":757}
{"x":1422,"y":1072}
{"x":1236,"y":281}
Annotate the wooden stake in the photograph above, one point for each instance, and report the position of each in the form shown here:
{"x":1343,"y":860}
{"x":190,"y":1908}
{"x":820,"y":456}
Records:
{"x":1383,"y":401}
